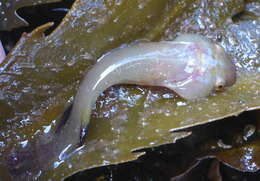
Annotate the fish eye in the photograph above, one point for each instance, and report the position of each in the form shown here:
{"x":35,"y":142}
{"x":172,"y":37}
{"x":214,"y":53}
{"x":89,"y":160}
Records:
{"x":220,"y":86}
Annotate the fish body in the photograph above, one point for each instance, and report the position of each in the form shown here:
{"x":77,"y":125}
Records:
{"x":191,"y":66}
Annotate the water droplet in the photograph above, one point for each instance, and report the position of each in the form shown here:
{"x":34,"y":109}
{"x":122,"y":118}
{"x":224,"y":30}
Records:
{"x":152,"y":143}
{"x":141,"y":6}
{"x":24,"y":143}
{"x":111,"y":38}
{"x":180,"y":103}
{"x":115,"y":20}
{"x":46,"y":129}
{"x":106,"y":162}
{"x":57,"y":163}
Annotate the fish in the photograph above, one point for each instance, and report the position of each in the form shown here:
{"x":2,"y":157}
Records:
{"x":191,"y":66}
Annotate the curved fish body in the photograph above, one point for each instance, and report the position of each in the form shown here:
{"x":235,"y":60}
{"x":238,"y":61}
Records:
{"x":191,"y":66}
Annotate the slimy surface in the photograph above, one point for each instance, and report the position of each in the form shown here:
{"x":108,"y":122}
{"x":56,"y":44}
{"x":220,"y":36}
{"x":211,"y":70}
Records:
{"x":191,"y":66}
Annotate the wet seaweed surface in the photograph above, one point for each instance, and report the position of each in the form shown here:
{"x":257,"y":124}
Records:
{"x":40,"y":76}
{"x":212,"y":153}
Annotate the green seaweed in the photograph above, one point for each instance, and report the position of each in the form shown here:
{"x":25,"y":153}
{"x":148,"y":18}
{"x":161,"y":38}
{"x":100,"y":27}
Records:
{"x":42,"y":73}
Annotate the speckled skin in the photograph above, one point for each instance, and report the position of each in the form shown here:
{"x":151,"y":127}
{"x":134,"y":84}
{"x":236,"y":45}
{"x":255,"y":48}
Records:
{"x":191,"y":66}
